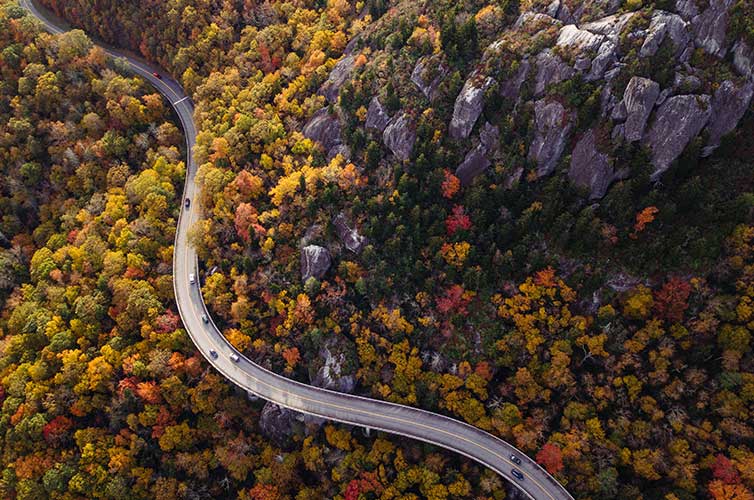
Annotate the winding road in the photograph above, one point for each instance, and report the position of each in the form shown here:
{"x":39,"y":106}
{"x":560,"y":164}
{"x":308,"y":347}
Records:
{"x":414,"y":423}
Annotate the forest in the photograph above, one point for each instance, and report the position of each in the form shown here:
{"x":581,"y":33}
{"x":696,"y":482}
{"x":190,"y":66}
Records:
{"x":603,"y":327}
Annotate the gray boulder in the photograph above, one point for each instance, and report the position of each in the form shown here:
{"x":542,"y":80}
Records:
{"x":687,"y":9}
{"x":729,"y":104}
{"x":338,"y":76}
{"x":638,"y":100}
{"x":350,"y":238}
{"x":572,"y":37}
{"x":469,"y":105}
{"x":606,"y":57}
{"x":665,"y":24}
{"x":511,"y":87}
{"x":315,"y":261}
{"x":550,"y":69}
{"x":339,"y":149}
{"x":743,"y":59}
{"x":400,"y":136}
{"x":553,"y":127}
{"x":475,"y":163}
{"x":591,"y":169}
{"x":610,"y":26}
{"x":328,"y":371}
{"x":489,"y":137}
{"x":377,"y":116}
{"x":323,"y":128}
{"x":427,"y":76}
{"x":276,"y":424}
{"x":676,"y":122}
{"x":559,"y":10}
{"x":711,"y":27}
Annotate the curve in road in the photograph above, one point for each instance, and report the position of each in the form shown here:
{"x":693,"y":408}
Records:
{"x":411,"y":422}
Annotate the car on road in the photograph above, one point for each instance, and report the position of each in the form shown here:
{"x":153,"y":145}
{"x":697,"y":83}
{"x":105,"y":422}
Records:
{"x":213,"y":353}
{"x":234,"y":357}
{"x":187,"y":203}
{"x":157,"y":75}
{"x":205,"y":318}
{"x":517,"y":474}
{"x":515,"y":460}
{"x":192,"y":278}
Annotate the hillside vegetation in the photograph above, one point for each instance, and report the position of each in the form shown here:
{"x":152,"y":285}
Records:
{"x":532,"y":216}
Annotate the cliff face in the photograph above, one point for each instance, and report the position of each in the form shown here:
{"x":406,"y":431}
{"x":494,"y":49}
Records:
{"x":659,"y":79}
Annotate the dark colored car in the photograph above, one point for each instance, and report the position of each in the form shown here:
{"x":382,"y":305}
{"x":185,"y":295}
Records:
{"x":515,"y":460}
{"x":187,"y":203}
{"x":157,"y":75}
{"x":213,"y":353}
{"x":517,"y":474}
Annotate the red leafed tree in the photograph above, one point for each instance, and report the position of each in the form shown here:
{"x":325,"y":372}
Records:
{"x":671,"y":299}
{"x":451,"y":185}
{"x":551,"y":458}
{"x":167,"y":322}
{"x":724,"y":470}
{"x":353,"y":490}
{"x":245,"y":216}
{"x":457,"y":220}
{"x":264,"y":492}
{"x":453,"y":301}
{"x":57,"y":429}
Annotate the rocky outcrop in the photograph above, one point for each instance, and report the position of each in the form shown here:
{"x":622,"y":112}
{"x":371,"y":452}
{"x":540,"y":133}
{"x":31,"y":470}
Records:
{"x":276,"y":423}
{"x":350,"y":238}
{"x":328,"y":370}
{"x":677,"y":121}
{"x":475,"y":163}
{"x":592,"y":169}
{"x":377,"y":116}
{"x":638,"y":101}
{"x":469,"y":105}
{"x":553,"y":127}
{"x":711,"y":26}
{"x":400,"y":136}
{"x":340,"y":73}
{"x":611,"y":26}
{"x":582,"y":40}
{"x":687,"y":9}
{"x":489,"y":137}
{"x":729,"y":104}
{"x":427,"y":76}
{"x":511,"y":87}
{"x":340,"y":149}
{"x":550,"y":70}
{"x":665,"y":24}
{"x":606,"y":57}
{"x":315,"y":261}
{"x":743,"y":59}
{"x":323,"y":128}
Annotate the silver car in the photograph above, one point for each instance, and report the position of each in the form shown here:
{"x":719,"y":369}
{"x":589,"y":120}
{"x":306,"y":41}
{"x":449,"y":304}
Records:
{"x":234,"y":357}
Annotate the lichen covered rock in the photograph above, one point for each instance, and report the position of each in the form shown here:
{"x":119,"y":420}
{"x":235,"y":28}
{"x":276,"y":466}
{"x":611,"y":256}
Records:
{"x":315,"y":262}
{"x":729,"y":103}
{"x":377,"y":115}
{"x":399,"y":136}
{"x":677,"y":121}
{"x":323,"y":128}
{"x":553,"y":127}
{"x":469,"y":105}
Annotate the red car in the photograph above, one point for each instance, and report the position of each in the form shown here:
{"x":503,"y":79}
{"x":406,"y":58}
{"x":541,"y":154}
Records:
{"x":157,"y":75}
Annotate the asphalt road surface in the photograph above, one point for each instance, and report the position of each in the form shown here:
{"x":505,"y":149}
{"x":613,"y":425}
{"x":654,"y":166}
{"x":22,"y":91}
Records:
{"x":374,"y":414}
